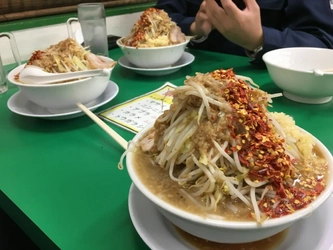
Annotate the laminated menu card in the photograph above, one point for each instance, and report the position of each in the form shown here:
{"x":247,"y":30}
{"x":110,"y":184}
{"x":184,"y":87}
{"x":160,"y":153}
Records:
{"x":140,"y":111}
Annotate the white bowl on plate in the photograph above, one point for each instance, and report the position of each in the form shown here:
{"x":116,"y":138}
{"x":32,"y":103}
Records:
{"x":226,"y":231}
{"x":292,"y":69}
{"x":153,"y":57}
{"x":62,"y":97}
{"x":184,"y":60}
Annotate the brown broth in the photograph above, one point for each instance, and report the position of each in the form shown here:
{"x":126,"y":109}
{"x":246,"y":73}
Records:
{"x":269,"y":243}
{"x":159,"y":183}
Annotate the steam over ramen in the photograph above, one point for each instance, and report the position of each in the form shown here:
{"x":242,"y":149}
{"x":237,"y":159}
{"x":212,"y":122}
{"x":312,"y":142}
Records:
{"x":220,"y":151}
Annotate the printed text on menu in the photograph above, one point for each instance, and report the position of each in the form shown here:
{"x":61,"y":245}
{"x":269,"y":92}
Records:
{"x":141,"y":111}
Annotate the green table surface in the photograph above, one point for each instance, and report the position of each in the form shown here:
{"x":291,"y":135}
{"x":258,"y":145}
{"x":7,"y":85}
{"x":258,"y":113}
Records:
{"x":59,"y":179}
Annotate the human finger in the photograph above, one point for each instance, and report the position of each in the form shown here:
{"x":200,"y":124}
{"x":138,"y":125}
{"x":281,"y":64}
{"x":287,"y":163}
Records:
{"x":213,"y":7}
{"x":201,"y":15}
{"x":203,"y":6}
{"x":214,"y":12}
{"x":230,"y":7}
{"x":251,"y":4}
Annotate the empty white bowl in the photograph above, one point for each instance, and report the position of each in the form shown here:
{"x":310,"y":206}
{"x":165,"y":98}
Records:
{"x":226,"y":231}
{"x":62,"y":97}
{"x":293,"y":70}
{"x":153,"y":57}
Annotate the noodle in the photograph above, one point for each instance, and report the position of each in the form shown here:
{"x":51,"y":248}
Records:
{"x":219,"y":142}
{"x":67,"y":56}
{"x":154,"y":29}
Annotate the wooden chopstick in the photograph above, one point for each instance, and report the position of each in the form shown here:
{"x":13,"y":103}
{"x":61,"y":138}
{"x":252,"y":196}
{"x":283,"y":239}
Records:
{"x":120,"y":140}
{"x":327,"y":70}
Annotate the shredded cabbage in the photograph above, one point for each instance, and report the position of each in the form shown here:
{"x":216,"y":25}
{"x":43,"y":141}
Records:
{"x":67,"y":56}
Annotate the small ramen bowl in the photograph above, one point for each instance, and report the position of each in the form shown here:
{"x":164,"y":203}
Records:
{"x":304,"y":74}
{"x":218,"y":229}
{"x":62,"y":97}
{"x":153,"y":57}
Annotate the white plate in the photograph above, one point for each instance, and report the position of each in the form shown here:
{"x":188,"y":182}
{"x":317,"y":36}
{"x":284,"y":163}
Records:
{"x":19,"y":104}
{"x":185,"y":59}
{"x":313,"y":233}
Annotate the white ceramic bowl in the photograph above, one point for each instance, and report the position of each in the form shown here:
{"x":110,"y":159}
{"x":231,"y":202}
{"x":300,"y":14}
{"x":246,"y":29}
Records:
{"x":292,"y":69}
{"x":62,"y":97}
{"x":227,"y":231}
{"x":153,"y":57}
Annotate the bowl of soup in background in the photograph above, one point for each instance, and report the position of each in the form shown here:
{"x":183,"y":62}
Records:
{"x":293,"y":70}
{"x":153,"y":57}
{"x":62,"y":97}
{"x":218,"y":229}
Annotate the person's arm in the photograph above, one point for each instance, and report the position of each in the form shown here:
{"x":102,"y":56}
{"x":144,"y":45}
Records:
{"x":308,"y":24}
{"x":177,"y":10}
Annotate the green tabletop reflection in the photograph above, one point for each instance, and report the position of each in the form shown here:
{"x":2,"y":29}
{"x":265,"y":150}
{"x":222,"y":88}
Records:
{"x":59,"y":179}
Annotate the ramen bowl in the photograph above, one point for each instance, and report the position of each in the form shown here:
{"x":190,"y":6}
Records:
{"x":218,"y":229}
{"x":153,"y":57}
{"x":304,"y":74}
{"x":62,"y":97}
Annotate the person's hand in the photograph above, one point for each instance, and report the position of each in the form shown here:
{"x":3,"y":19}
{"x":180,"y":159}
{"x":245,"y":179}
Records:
{"x":201,"y":26}
{"x":242,"y":27}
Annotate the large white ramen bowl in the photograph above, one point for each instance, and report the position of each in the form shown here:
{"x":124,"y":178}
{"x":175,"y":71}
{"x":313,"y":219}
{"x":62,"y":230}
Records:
{"x":62,"y":97}
{"x":226,"y":231}
{"x":153,"y":57}
{"x":293,"y":70}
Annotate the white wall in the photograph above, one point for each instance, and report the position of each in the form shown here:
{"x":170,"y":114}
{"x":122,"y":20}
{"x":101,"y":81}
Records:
{"x":29,"y":40}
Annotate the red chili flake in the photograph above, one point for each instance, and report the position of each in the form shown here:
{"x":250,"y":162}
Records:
{"x":258,"y":147}
{"x":142,"y":25}
{"x":36,"y":55}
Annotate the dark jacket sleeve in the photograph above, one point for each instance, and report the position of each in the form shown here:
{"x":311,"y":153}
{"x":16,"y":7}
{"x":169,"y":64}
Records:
{"x":180,"y":12}
{"x":305,"y":23}
{"x":286,"y":23}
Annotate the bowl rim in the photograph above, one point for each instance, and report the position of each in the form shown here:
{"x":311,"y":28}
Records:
{"x":122,"y":46}
{"x":240,"y":225}
{"x":267,"y":58}
{"x":16,"y":70}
